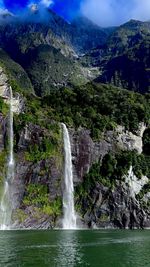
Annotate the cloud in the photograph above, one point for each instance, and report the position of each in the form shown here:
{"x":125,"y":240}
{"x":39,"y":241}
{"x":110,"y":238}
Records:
{"x":5,"y":13}
{"x":102,"y":12}
{"x":47,"y":3}
{"x":15,"y":5}
{"x":65,"y":8}
{"x":40,"y":5}
{"x":114,"y":12}
{"x":141,"y":10}
{"x":25,"y":10}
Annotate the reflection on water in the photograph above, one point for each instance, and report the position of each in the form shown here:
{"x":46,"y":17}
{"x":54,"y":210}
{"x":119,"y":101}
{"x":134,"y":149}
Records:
{"x":7,"y":250}
{"x":68,"y":249}
{"x":74,"y":248}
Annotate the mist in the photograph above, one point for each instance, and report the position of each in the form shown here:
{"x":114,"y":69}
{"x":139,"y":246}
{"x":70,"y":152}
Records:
{"x":36,"y":11}
{"x":102,"y":12}
{"x":113,"y":12}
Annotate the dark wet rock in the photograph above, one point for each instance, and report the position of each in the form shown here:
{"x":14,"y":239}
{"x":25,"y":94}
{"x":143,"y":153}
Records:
{"x":85,"y":152}
{"x":113,"y":209}
{"x":34,"y":220}
{"x":3,"y":124}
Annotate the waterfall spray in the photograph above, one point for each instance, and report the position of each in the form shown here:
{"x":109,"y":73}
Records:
{"x":6,"y":200}
{"x":69,"y":220}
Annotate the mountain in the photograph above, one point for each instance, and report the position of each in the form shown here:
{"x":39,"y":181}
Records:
{"x":51,"y":46}
{"x":124,"y":59}
{"x":96,"y":81}
{"x":81,"y":34}
{"x":118,"y":55}
{"x":86,"y":35}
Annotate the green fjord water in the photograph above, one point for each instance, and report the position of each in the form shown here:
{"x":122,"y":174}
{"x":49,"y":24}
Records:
{"x":75,"y":248}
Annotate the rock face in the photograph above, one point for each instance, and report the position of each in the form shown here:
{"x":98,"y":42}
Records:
{"x":82,"y":151}
{"x":102,"y":206}
{"x":85,"y":151}
{"x":18,"y":101}
{"x":129,"y":141}
{"x":46,"y":173}
{"x":38,"y":182}
{"x":4,"y":87}
{"x":116,"y":208}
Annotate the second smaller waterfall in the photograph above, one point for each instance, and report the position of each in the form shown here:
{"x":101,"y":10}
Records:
{"x":69,"y":220}
{"x":6,"y":200}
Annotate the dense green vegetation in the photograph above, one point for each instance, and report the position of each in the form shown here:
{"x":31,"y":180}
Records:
{"x":18,"y":78}
{"x":111,"y":171}
{"x":37,"y":195}
{"x":98,"y":107}
{"x":115,"y":166}
{"x":49,"y":142}
{"x":3,"y":107}
{"x":46,"y":149}
{"x":46,"y":66}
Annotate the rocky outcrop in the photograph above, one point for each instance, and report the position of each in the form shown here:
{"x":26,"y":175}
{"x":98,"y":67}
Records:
{"x":85,"y":151}
{"x":117,"y":206}
{"x":108,"y":208}
{"x":18,"y":103}
{"x":82,"y":150}
{"x":4,"y":87}
{"x":129,"y":141}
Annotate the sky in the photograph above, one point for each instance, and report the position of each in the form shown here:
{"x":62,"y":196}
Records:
{"x":102,"y":12}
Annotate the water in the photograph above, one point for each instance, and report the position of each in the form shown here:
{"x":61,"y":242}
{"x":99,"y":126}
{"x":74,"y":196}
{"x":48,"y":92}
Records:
{"x":75,"y":248}
{"x":69,"y":220}
{"x":6,"y":201}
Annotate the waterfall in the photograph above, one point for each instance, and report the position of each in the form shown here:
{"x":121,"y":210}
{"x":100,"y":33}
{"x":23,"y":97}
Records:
{"x":6,"y":200}
{"x":69,"y":219}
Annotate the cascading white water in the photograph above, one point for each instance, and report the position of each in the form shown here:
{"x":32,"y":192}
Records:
{"x":6,"y":201}
{"x":69,"y":219}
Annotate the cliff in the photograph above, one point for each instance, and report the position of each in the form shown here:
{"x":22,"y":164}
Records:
{"x":110,"y":170}
{"x":78,"y":74}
